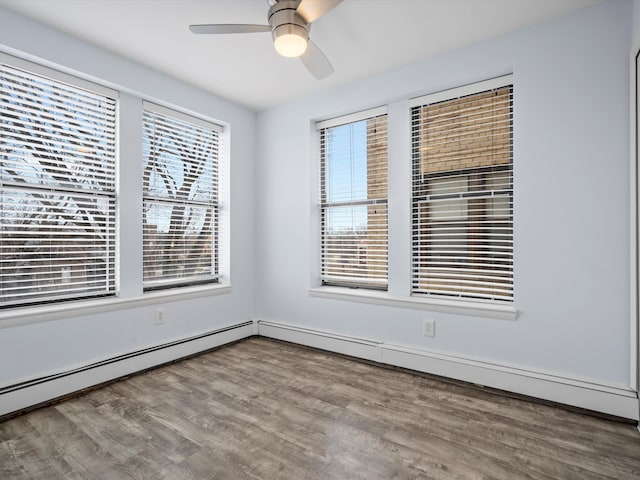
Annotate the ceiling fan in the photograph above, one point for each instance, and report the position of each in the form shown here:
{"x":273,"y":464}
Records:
{"x":289,"y":23}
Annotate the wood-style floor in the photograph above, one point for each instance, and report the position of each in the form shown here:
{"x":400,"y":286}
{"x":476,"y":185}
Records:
{"x":262,"y":409}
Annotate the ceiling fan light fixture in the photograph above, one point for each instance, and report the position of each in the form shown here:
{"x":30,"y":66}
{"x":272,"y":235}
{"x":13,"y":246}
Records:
{"x":290,"y":40}
{"x":290,"y":23}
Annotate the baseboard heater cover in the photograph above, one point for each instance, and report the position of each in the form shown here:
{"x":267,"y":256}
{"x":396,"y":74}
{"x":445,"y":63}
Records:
{"x":359,"y":347}
{"x":22,"y":395}
{"x":619,"y":401}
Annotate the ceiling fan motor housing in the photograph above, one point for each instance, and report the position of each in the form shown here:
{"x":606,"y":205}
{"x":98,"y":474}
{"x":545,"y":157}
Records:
{"x":285,"y":20}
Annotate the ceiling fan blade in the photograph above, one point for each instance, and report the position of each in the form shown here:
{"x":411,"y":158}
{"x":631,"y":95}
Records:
{"x":228,"y":28}
{"x":311,"y":10}
{"x":316,"y":62}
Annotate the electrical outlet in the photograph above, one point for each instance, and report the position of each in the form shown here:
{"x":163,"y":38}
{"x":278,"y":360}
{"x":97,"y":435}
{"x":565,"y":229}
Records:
{"x":160,"y":316}
{"x":429,"y":328}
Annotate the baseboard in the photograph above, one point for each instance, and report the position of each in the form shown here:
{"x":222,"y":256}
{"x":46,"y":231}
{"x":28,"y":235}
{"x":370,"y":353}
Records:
{"x":22,"y":395}
{"x":359,"y":347}
{"x":617,"y":400}
{"x":614,"y":400}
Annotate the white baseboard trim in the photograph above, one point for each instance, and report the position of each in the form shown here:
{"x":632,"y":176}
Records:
{"x":618,"y":400}
{"x":615,"y":400}
{"x":22,"y":395}
{"x":354,"y":346}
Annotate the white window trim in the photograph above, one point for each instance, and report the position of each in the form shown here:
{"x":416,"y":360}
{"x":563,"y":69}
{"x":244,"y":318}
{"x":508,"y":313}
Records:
{"x":459,"y":307}
{"x":154,"y":108}
{"x":132,"y":297}
{"x":19,"y":316}
{"x":462,"y":91}
{"x":54,"y":74}
{"x":189,"y":118}
{"x":453,"y":94}
{"x":316,"y":136}
{"x":399,"y":286}
{"x":78,"y":82}
{"x":352,"y":117}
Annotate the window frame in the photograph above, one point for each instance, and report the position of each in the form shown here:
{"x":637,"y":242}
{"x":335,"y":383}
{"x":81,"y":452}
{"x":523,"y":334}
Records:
{"x":214,"y":203}
{"x":365,"y":282}
{"x":399,"y":294}
{"x":108,"y":193}
{"x":420,"y":229}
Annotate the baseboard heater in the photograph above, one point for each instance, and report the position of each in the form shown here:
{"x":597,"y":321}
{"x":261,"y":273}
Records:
{"x":610,"y":399}
{"x":208,"y":340}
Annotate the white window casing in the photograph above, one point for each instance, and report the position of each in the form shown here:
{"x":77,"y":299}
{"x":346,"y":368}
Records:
{"x":180,"y":164}
{"x":353,"y":203}
{"x":58,"y":186}
{"x":462,"y":193}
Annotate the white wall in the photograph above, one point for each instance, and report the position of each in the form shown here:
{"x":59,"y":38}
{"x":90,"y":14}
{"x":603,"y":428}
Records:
{"x":636,"y":22}
{"x":571,"y":213}
{"x":69,"y":340}
{"x":571,"y":139}
{"x":635,"y":132}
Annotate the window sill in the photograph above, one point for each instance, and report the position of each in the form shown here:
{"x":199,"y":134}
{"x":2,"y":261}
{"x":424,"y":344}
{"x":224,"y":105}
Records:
{"x":12,"y":317}
{"x":459,"y":307}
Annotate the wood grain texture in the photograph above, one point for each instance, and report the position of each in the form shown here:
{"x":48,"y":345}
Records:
{"x":262,"y":409}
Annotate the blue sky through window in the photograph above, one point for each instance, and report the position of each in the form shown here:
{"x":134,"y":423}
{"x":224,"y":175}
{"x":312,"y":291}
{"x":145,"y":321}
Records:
{"x":346,"y":176}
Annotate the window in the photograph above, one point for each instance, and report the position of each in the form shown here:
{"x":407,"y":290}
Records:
{"x":57,"y":187}
{"x":462,"y":194}
{"x":180,"y":199}
{"x":353,"y":203}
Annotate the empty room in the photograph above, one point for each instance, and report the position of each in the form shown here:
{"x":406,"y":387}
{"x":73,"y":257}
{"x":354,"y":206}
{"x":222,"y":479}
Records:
{"x":319,"y":239}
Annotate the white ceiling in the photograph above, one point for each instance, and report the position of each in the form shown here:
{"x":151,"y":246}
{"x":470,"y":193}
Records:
{"x":360,"y":37}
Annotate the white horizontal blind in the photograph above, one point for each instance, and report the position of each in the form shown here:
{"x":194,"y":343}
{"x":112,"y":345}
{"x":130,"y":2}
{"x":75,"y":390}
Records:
{"x":353,"y":202}
{"x":180,"y":194}
{"x":57,"y":190}
{"x":462,"y":197}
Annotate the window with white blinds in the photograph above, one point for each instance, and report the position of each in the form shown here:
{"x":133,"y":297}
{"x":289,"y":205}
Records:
{"x":180,"y":194}
{"x":353,"y":203}
{"x":57,"y":187}
{"x":462,"y":195}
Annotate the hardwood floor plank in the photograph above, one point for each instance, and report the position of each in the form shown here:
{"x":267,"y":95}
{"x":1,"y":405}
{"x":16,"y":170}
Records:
{"x":263,"y":409}
{"x":32,"y":455}
{"x":112,"y":438}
